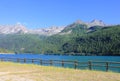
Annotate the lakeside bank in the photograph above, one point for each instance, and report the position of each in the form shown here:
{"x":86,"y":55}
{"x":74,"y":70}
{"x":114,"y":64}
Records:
{"x":8,"y":53}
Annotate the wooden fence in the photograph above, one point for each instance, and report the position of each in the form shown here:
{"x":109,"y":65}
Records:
{"x":64,"y":63}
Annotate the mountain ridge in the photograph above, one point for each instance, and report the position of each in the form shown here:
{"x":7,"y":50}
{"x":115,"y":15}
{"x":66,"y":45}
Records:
{"x":19,"y":28}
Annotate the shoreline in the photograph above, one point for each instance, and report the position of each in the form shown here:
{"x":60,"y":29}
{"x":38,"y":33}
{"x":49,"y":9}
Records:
{"x":8,"y":53}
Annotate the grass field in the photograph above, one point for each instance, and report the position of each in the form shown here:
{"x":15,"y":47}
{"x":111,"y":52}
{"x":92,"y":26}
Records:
{"x":29,"y":72}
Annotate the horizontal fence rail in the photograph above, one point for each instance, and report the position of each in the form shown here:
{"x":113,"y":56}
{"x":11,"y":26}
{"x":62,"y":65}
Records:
{"x":65,"y":63}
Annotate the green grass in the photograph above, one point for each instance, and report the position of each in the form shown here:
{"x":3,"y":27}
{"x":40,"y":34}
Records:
{"x":29,"y":72}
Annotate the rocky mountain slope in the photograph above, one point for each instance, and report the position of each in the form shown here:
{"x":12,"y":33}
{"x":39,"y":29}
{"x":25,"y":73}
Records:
{"x":94,"y":22}
{"x":19,"y":28}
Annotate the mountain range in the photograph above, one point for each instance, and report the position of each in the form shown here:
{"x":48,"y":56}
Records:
{"x":78,"y":38}
{"x":19,"y":28}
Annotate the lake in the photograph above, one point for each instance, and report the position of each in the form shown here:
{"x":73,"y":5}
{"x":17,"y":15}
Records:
{"x":69,"y":58}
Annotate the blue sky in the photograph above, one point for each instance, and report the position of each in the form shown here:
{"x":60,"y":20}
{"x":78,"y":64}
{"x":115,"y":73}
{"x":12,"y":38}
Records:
{"x":45,"y":13}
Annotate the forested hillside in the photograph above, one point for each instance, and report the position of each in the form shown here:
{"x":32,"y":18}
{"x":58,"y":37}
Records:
{"x":74,"y":39}
{"x":20,"y":43}
{"x":105,"y":41}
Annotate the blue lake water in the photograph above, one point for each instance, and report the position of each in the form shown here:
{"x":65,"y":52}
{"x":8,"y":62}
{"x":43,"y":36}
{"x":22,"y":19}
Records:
{"x":62,"y":57}
{"x":69,"y":58}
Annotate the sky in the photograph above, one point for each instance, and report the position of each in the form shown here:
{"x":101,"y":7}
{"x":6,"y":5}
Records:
{"x":46,"y":13}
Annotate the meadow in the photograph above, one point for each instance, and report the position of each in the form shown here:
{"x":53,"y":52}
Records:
{"x":30,"y":72}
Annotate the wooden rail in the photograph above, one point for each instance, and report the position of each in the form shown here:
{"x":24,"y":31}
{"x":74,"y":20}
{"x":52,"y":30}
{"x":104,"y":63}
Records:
{"x":64,"y":63}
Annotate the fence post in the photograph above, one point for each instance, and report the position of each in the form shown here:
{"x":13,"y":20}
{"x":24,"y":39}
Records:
{"x":24,"y":60}
{"x":90,"y":65}
{"x":32,"y":60}
{"x":107,"y":66}
{"x":51,"y":62}
{"x":62,"y":63}
{"x":75,"y":64}
{"x":41,"y":62}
